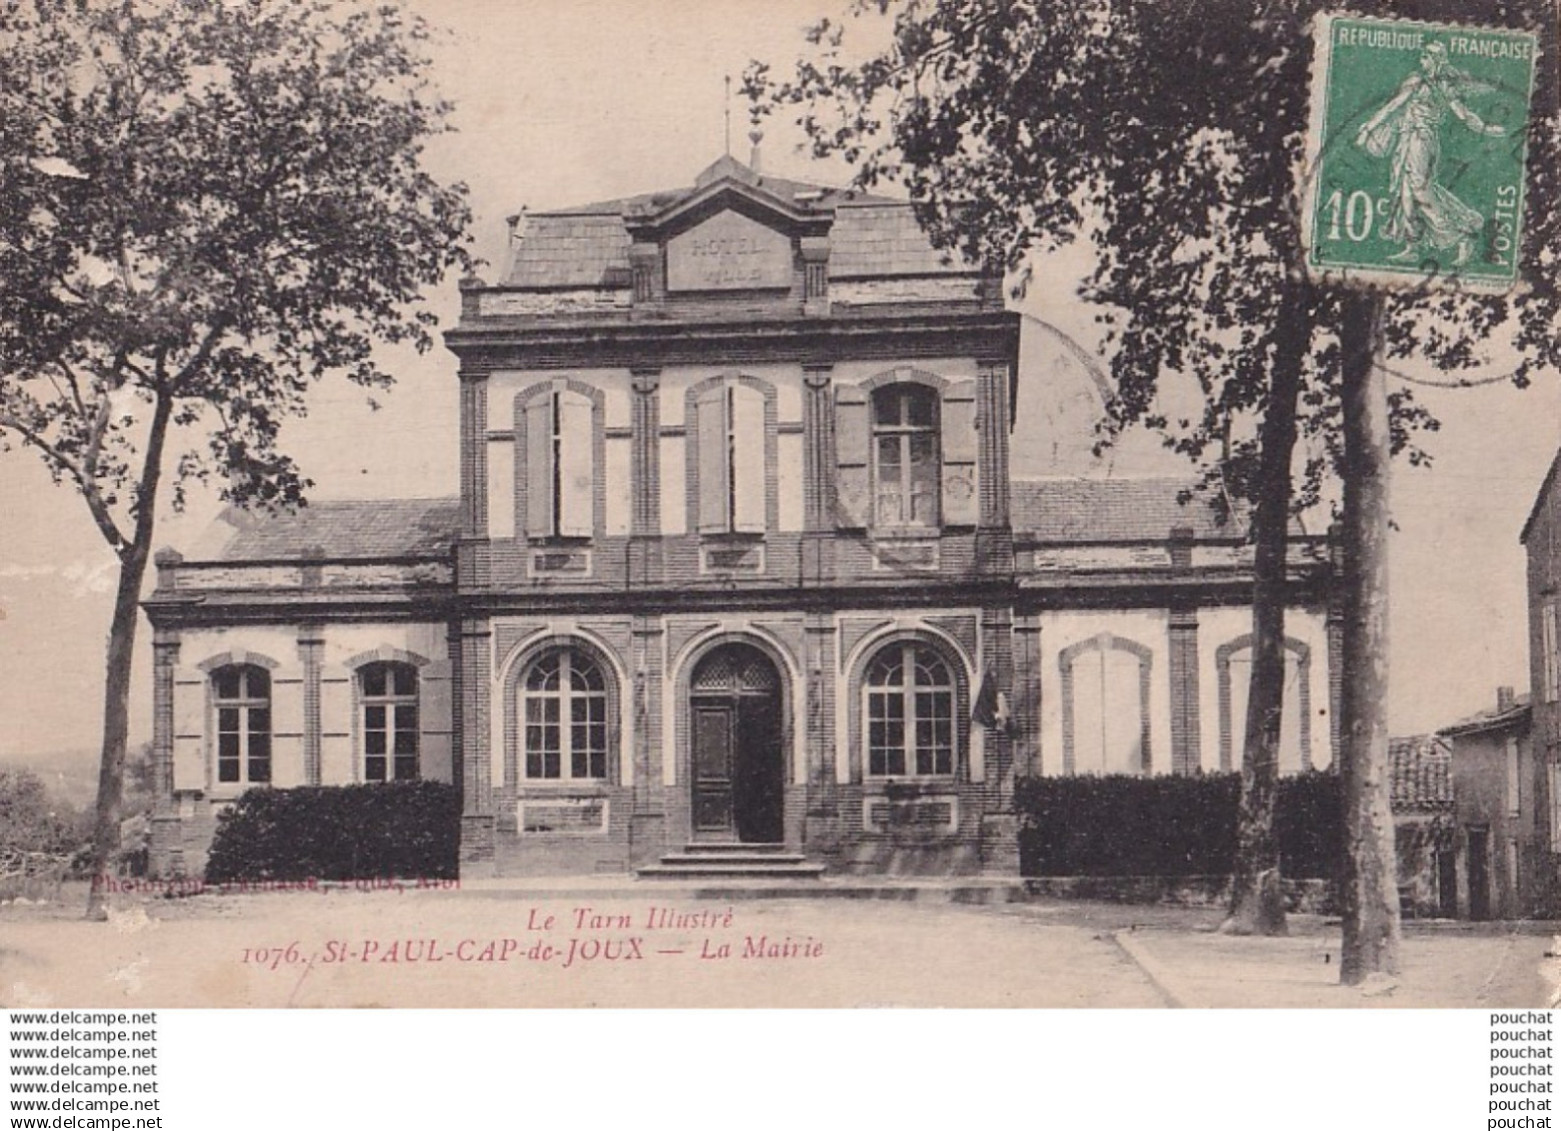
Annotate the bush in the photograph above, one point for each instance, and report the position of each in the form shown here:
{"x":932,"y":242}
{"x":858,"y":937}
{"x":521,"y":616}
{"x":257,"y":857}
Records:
{"x":348,"y":832}
{"x":1169,"y":826}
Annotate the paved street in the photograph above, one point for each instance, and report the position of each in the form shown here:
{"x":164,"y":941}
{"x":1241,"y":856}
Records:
{"x":617,"y":947}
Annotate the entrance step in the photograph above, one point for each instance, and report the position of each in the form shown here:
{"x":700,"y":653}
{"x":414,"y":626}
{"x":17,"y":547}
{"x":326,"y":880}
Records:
{"x":733,"y":848}
{"x":733,"y":861}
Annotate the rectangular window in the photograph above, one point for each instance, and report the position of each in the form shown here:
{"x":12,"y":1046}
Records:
{"x":1514,"y":779}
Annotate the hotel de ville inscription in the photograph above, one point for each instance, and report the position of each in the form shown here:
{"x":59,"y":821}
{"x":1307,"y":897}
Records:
{"x":728,"y":252}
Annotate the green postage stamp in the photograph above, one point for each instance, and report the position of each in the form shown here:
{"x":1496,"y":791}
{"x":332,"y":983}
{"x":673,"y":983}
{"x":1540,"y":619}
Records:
{"x":1416,"y":148}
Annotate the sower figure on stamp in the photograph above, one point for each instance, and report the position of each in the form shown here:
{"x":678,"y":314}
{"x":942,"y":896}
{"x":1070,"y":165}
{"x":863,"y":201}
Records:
{"x":1424,"y":213}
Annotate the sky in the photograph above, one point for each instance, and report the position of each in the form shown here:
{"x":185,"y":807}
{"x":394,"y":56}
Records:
{"x":564,"y":103}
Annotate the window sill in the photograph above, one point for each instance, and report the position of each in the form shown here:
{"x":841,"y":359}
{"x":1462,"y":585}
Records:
{"x":903,"y":533}
{"x":910,"y":788}
{"x":563,"y":787}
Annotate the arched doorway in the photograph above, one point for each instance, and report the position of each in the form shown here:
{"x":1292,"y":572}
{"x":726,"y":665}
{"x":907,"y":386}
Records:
{"x":739,"y":772}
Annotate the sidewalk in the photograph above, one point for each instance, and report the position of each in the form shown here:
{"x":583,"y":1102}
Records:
{"x":1441,"y":968}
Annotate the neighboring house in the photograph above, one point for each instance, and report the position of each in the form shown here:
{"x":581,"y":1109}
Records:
{"x":1541,"y":537}
{"x":1425,"y":830}
{"x":738,"y":559}
{"x":1502,"y":827}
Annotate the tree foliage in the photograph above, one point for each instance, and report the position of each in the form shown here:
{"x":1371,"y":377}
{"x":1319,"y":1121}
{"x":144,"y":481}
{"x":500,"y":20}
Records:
{"x":32,"y":821}
{"x":1173,"y":138}
{"x":205,"y":207}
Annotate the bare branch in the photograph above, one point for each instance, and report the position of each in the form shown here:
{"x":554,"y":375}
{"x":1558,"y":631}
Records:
{"x":88,"y":485}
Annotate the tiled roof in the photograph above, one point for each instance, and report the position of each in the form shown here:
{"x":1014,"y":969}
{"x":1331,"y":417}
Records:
{"x":345,"y":529}
{"x":588,"y":246}
{"x":1421,"y":771}
{"x":1111,"y":510}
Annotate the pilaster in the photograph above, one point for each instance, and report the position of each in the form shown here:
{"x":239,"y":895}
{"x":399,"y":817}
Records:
{"x":474,"y":668}
{"x":311,"y":654}
{"x":645,"y":562}
{"x":1186,"y":734}
{"x":474,"y":452}
{"x":1027,"y":696}
{"x":164,"y":844}
{"x":648,"y":819}
{"x":994,"y":535}
{"x":818,"y":475}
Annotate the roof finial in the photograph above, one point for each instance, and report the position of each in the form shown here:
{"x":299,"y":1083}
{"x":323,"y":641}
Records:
{"x":728,"y":115}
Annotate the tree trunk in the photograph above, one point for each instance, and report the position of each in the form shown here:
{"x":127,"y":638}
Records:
{"x":1370,"y":887}
{"x":121,"y":655}
{"x":1257,"y":905}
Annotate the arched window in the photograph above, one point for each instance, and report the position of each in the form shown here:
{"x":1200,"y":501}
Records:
{"x":1105,"y":706}
{"x":241,"y":695}
{"x":563,"y":709}
{"x":905,"y":455}
{"x":387,"y":694}
{"x":910,"y":712}
{"x":1233,"y":666}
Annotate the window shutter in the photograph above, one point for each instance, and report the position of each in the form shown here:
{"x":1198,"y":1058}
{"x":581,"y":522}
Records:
{"x":1552,"y":658}
{"x":576,"y":478}
{"x":853,"y":491}
{"x":190,"y":734}
{"x":434,"y":713}
{"x":287,"y":720}
{"x":711,"y":430}
{"x":539,"y":467}
{"x":748,"y":446}
{"x":961,"y":505}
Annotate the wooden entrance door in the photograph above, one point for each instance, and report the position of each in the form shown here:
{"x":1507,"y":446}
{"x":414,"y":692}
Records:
{"x":738,"y":764}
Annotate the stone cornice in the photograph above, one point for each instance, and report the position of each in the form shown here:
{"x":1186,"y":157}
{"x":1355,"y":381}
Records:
{"x":500,"y":343}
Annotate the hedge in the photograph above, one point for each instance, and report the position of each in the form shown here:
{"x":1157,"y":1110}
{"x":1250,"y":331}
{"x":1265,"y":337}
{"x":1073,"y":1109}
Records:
{"x":347,"y":832}
{"x":1169,"y":826}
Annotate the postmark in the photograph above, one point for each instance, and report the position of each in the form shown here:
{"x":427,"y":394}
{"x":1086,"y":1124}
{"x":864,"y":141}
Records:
{"x":1416,"y":153}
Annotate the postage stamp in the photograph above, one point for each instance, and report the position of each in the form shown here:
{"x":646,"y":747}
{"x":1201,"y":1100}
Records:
{"x":1416,"y":153}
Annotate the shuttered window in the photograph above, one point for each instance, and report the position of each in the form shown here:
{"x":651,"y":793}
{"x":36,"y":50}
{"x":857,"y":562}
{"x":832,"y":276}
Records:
{"x":560,"y":465}
{"x":905,"y":455}
{"x":730,"y":433}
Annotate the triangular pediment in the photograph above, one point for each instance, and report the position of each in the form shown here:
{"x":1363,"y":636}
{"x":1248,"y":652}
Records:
{"x":729,"y":193}
{"x":729,"y":250}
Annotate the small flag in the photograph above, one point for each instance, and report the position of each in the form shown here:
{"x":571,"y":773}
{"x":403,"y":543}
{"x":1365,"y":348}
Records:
{"x":991,"y":708}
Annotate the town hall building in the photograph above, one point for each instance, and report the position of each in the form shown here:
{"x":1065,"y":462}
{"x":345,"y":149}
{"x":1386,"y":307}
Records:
{"x":740,"y":567}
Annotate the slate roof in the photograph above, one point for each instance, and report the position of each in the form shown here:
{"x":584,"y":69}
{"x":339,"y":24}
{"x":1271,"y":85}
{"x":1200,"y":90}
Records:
{"x":588,"y":246}
{"x":1111,"y":510}
{"x":345,"y":530}
{"x":1421,"y":770}
{"x":1514,"y":716}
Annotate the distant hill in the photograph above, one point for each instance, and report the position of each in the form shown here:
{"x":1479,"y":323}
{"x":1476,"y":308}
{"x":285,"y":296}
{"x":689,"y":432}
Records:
{"x":69,"y":775}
